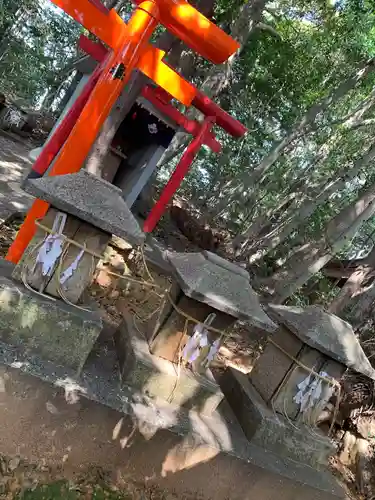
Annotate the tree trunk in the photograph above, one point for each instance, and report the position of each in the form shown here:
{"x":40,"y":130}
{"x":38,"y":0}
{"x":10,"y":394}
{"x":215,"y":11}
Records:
{"x":238,"y":186}
{"x":220,"y":77}
{"x":260,"y":248}
{"x":313,"y":256}
{"x":308,"y":207}
{"x":354,"y":284}
{"x":262,"y":225}
{"x":8,"y":29}
{"x":360,"y":307}
{"x":178,"y":57}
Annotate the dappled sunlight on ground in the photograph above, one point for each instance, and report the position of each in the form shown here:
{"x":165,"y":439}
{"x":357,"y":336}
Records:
{"x":14,"y":165}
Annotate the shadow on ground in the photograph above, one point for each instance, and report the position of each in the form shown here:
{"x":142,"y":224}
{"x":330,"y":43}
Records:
{"x":37,"y":424}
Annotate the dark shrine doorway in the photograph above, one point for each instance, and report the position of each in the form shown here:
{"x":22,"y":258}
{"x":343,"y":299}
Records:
{"x":141,"y":141}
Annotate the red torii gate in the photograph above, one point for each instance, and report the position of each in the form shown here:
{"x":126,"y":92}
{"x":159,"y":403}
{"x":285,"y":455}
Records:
{"x":130,"y":50}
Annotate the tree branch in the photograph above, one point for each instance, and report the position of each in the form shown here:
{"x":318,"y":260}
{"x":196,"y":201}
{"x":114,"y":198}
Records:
{"x":268,"y":29}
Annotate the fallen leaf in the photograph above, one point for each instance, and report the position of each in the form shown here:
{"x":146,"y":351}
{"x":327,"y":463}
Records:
{"x":13,"y":463}
{"x":117,"y":429}
{"x":51,"y":408}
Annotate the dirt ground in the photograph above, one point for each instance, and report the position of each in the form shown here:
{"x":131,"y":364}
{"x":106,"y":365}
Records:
{"x":23,"y":480}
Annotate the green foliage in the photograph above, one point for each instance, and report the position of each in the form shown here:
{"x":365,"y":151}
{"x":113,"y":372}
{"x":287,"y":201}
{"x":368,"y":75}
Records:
{"x":37,"y":43}
{"x":319,"y":291}
{"x":275,"y":81}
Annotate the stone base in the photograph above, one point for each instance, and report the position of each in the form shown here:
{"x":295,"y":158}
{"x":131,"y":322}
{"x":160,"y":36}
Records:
{"x":58,"y":332}
{"x":272,"y":431}
{"x":160,"y":379}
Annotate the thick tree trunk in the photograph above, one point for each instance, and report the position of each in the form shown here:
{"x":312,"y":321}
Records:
{"x":361,"y":306}
{"x":313,"y":256}
{"x":238,"y":186}
{"x":354,"y":284}
{"x":262,"y":226}
{"x":266,"y":223}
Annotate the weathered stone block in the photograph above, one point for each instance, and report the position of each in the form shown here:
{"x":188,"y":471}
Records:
{"x":90,"y":199}
{"x":325,"y":332}
{"x":87,"y":235}
{"x":155,"y":255}
{"x":95,"y":241}
{"x":267,"y":429}
{"x":226,"y":264}
{"x":335,"y":371}
{"x":26,"y":265}
{"x":160,"y":379}
{"x":59,"y":332}
{"x":220,"y":285}
{"x":273,"y":365}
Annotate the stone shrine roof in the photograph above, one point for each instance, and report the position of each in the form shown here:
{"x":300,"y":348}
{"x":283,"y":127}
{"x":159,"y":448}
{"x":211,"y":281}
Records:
{"x":222,"y":285}
{"x":327,"y":333}
{"x":90,"y":199}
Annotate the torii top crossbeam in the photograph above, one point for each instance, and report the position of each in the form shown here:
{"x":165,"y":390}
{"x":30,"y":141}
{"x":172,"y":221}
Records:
{"x":130,"y":49}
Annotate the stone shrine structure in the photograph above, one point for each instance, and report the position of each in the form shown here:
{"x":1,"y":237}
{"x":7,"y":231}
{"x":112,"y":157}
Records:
{"x":64,"y":331}
{"x":204,"y":285}
{"x":279,"y":404}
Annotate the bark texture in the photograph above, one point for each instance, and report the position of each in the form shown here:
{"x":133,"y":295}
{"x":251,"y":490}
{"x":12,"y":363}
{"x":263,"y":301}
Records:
{"x":238,"y":186}
{"x":354,"y":284}
{"x":220,"y":77}
{"x":313,"y":256}
{"x":277,"y":221}
{"x":314,"y":198}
